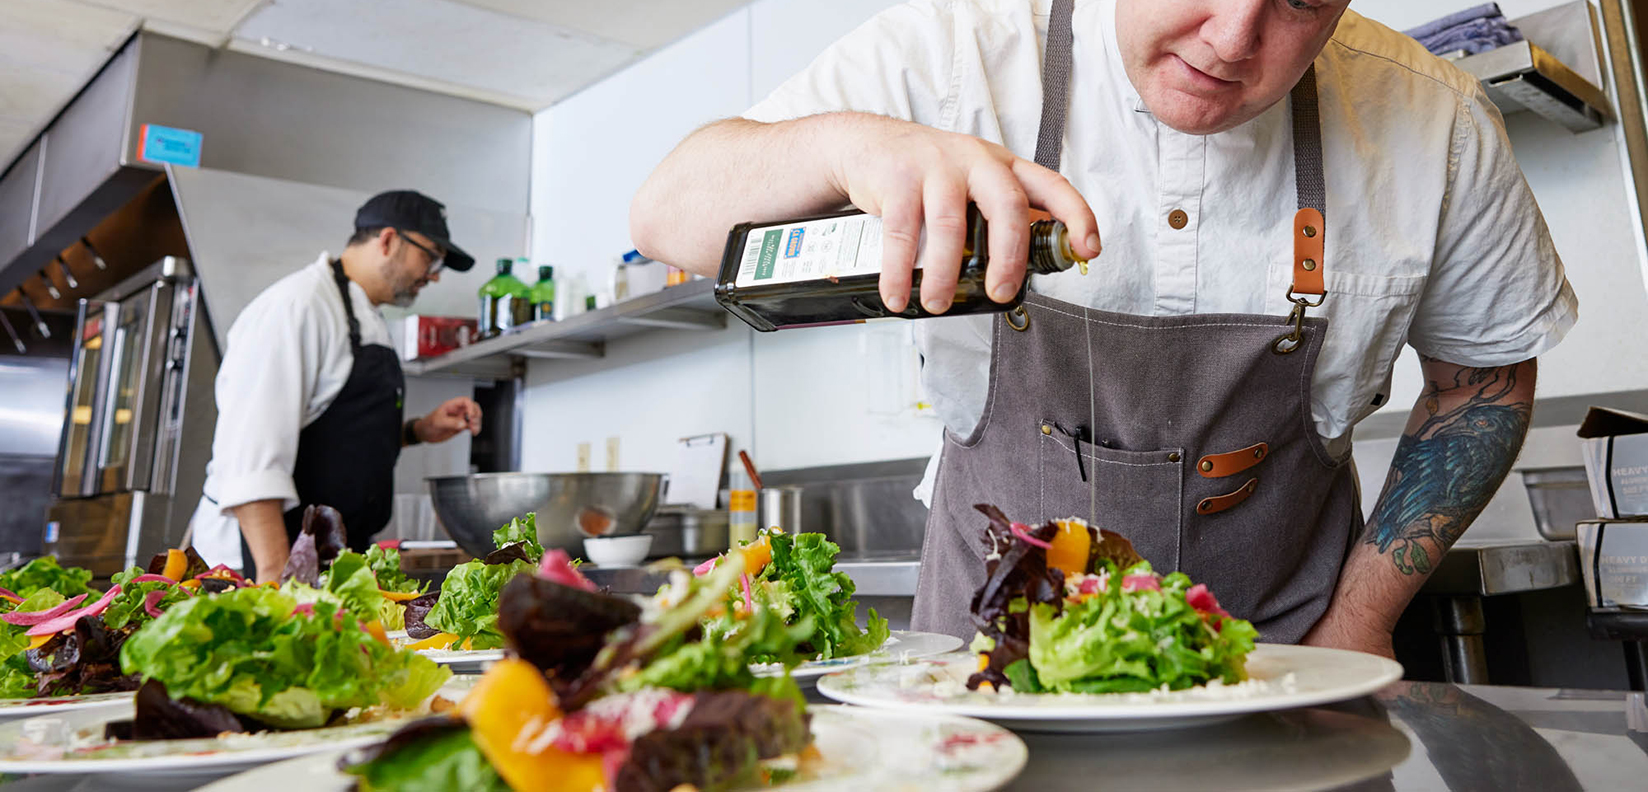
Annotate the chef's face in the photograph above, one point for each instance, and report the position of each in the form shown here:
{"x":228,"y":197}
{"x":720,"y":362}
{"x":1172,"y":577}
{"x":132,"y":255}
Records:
{"x":410,"y":266}
{"x":1205,"y":66}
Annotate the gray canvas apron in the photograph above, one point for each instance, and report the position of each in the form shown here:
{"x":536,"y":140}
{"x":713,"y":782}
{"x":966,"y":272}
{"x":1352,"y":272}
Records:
{"x":1191,"y":435}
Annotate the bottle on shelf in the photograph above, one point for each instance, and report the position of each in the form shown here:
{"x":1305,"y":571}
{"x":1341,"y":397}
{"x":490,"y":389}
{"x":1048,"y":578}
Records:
{"x":542,"y":294}
{"x":826,"y":270}
{"x":741,"y":507}
{"x":523,"y":308}
{"x":504,"y":299}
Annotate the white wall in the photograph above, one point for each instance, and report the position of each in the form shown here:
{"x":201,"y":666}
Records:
{"x":822,"y":396}
{"x":816,"y":400}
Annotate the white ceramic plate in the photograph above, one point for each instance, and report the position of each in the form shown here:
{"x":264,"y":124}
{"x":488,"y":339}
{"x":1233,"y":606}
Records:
{"x":11,"y":709}
{"x":71,"y":742}
{"x":1280,"y":677}
{"x":464,"y":661}
{"x":461,"y":661}
{"x":901,"y":646}
{"x":863,"y":751}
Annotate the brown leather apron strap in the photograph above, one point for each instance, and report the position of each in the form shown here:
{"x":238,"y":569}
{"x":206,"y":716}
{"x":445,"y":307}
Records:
{"x":1229,"y":464}
{"x":1219,"y":503}
{"x":1308,"y":288}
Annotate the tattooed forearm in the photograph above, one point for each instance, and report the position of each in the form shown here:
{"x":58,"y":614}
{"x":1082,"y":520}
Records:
{"x":1449,"y":466}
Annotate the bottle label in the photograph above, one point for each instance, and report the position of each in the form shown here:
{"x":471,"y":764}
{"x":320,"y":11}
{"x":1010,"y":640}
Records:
{"x":741,"y":501}
{"x":835,"y":247}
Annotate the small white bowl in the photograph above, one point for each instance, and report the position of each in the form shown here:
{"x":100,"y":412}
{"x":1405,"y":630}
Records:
{"x":618,"y":551}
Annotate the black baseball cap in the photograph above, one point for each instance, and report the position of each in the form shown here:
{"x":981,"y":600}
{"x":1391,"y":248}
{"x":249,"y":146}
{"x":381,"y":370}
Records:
{"x":409,"y":210}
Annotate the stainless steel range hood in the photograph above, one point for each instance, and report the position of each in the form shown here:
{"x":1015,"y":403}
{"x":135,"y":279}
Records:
{"x":256,"y":118}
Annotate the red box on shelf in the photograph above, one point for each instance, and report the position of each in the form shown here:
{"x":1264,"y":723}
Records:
{"x":431,"y":336}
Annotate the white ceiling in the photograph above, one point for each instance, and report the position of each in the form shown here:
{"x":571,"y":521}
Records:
{"x":524,"y":53}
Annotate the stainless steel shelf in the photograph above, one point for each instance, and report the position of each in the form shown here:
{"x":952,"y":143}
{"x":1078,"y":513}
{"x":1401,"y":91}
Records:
{"x":1522,"y":76}
{"x":690,"y":306}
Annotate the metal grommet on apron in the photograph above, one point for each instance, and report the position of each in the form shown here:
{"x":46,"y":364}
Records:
{"x":1107,"y":416}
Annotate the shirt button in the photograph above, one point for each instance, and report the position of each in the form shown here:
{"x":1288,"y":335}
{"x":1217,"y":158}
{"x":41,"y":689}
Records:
{"x":1178,"y":219}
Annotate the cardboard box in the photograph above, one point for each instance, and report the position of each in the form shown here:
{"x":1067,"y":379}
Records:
{"x":429,"y":336}
{"x":1615,"y":447}
{"x":1613,"y":561}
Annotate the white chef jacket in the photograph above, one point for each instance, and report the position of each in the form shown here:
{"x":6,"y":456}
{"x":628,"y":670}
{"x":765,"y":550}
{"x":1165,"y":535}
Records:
{"x":287,"y":358}
{"x":1433,"y":237}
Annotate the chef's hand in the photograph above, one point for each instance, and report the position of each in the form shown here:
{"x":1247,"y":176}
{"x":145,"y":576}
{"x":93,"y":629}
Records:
{"x":919,"y":180}
{"x":1338,"y":631}
{"x":456,"y":415}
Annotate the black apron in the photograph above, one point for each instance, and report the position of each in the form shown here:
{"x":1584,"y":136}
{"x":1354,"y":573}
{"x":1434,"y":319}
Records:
{"x":1191,"y":435}
{"x":346,"y":458}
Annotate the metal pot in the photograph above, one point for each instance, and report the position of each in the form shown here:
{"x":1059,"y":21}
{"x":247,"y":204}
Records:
{"x":686,"y":532}
{"x":570,"y":506}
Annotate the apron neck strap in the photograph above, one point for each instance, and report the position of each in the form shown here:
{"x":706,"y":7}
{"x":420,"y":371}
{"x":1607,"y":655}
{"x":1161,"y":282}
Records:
{"x":1055,"y":86}
{"x":348,"y":304}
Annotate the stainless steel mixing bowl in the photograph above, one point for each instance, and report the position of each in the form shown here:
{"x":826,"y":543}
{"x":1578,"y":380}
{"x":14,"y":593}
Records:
{"x":570,"y":506}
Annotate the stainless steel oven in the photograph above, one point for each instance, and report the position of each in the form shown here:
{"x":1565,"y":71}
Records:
{"x":138,"y":425}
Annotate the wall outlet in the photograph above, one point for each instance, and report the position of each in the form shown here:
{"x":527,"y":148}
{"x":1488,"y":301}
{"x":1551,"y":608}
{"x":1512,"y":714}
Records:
{"x":583,"y":457}
{"x":612,"y":454}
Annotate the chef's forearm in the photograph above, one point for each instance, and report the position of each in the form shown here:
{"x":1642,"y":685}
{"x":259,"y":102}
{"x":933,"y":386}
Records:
{"x":729,"y":172}
{"x":264,"y":526}
{"x":1461,"y":441}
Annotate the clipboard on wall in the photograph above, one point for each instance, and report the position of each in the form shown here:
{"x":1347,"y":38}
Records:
{"x":695,"y":477}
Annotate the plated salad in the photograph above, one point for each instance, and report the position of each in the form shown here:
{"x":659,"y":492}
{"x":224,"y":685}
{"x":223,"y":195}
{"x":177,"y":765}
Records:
{"x":795,"y":578}
{"x":257,"y":658}
{"x":464,"y":613}
{"x":1067,"y":608}
{"x":64,"y":638}
{"x":653,"y":703}
{"x":371,"y":585}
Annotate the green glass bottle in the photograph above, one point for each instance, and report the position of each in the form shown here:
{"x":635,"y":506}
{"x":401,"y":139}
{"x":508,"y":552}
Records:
{"x":499,"y":300}
{"x":542,"y":295}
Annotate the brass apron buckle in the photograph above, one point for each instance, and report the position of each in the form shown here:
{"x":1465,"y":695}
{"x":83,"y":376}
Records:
{"x":1288,"y":342}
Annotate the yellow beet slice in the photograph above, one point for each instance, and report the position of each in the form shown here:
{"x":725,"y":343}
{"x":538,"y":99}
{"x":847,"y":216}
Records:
{"x":510,"y":703}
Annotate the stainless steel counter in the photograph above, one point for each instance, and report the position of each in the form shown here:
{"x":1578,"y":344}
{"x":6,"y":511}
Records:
{"x":1410,"y":737}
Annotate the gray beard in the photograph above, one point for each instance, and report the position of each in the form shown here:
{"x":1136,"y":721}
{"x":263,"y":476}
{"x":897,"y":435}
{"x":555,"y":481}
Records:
{"x":404,"y":299}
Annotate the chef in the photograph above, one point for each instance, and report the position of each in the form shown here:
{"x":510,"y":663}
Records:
{"x":309,"y":392}
{"x":1288,"y":192}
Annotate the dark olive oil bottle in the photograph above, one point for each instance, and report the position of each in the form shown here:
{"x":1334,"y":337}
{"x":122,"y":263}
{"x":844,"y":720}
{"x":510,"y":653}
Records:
{"x":825,"y":270}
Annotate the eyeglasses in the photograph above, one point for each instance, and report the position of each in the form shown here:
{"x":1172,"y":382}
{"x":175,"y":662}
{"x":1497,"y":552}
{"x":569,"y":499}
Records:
{"x":436,"y":260}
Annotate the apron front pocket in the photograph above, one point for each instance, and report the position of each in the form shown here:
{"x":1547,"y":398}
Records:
{"x":1134,"y":493}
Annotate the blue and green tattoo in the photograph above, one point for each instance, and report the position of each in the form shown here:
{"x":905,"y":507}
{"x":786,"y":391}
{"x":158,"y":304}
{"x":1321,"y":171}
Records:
{"x":1447,"y":469}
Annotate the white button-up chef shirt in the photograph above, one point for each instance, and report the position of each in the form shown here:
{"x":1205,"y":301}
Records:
{"x":1433,"y":237}
{"x":287,"y":359}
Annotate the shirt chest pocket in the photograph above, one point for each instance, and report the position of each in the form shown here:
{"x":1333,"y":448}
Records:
{"x":1368,"y":319}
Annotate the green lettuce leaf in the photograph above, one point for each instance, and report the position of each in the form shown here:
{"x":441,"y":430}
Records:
{"x":720,"y":659}
{"x":1135,"y":641}
{"x":523,"y":530}
{"x":127,"y":607}
{"x":803,"y":574}
{"x":468,"y":605}
{"x":352,"y":581}
{"x":250,"y":651}
{"x":438,"y":763}
{"x":386,"y":565}
{"x":16,"y":680}
{"x":43,"y":573}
